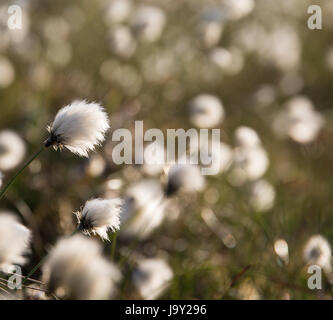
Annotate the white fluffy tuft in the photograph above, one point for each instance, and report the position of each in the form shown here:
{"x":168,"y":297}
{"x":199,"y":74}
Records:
{"x":99,"y":216}
{"x":14,"y":242}
{"x":75,"y":269}
{"x":79,"y":127}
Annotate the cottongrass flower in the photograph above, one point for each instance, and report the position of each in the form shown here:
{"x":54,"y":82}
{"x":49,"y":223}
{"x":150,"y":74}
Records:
{"x":186,"y":178}
{"x":206,"y":111}
{"x":79,"y":127}
{"x":318,"y":251}
{"x":299,"y":120}
{"x":281,"y":249}
{"x":75,"y":269}
{"x":14,"y":242}
{"x":262,"y":195}
{"x":213,"y":154}
{"x":246,"y":137}
{"x":117,"y":11}
{"x":12,"y":150}
{"x":144,"y":209}
{"x":152,"y":277}
{"x":148,"y":22}
{"x":250,"y":159}
{"x":99,"y":216}
{"x":211,"y":25}
{"x":7,"y":72}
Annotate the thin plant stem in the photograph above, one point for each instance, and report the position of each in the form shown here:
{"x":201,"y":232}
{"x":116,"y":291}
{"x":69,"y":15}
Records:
{"x":33,"y":270}
{"x":4,"y":190}
{"x":114,"y":244}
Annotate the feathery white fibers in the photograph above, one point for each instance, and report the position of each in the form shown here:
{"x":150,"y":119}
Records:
{"x":151,"y":277}
{"x":79,"y":127}
{"x":99,"y":216}
{"x":206,"y":111}
{"x":14,"y":241}
{"x":185,"y":177}
{"x":75,"y":269}
{"x":12,"y":150}
{"x":144,"y":209}
{"x":318,"y":251}
{"x":148,"y":22}
{"x":262,"y":195}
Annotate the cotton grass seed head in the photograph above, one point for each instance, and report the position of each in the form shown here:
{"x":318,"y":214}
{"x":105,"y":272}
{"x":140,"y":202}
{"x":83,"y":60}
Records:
{"x":318,"y":251}
{"x":184,"y":177}
{"x":99,"y":216}
{"x":75,"y":269}
{"x":14,"y":241}
{"x":206,"y":111}
{"x":152,"y":277}
{"x":79,"y":127}
{"x":12,"y":150}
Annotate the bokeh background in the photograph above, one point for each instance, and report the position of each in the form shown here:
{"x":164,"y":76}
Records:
{"x":240,"y":237}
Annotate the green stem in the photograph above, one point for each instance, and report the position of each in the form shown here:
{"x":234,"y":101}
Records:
{"x":4,"y":190}
{"x":114,"y":243}
{"x":33,"y":270}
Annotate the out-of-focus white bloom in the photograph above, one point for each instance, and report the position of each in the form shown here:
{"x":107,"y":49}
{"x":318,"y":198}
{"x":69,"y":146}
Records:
{"x":12,"y":149}
{"x":247,"y":137}
{"x":249,"y":164}
{"x":281,"y":249}
{"x":229,"y":60}
{"x":247,"y":291}
{"x":262,"y":195}
{"x":206,"y":111}
{"x":213,"y":154}
{"x":122,"y":42}
{"x":79,"y":127}
{"x":237,"y":9}
{"x":100,"y":216}
{"x":152,"y":277}
{"x":184,"y":177}
{"x":56,"y":29}
{"x":117,"y":11}
{"x":96,"y":165}
{"x":318,"y":251}
{"x":300,"y":121}
{"x":265,"y":95}
{"x":211,"y":26}
{"x":329,"y":58}
{"x":14,"y":242}
{"x":7,"y":72}
{"x":154,"y":159}
{"x":250,"y":160}
{"x":75,"y":269}
{"x":148,"y":22}
{"x":282,"y":48}
{"x":144,"y":209}
{"x":1,"y":178}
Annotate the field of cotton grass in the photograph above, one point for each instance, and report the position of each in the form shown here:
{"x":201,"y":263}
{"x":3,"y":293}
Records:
{"x":82,"y":227}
